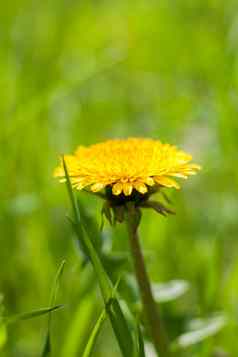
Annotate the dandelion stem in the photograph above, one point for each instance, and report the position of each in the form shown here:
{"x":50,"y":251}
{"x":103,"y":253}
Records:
{"x":154,"y":322}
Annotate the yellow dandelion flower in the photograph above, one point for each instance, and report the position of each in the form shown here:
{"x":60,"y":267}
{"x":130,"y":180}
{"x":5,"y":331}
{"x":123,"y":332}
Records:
{"x":126,"y":165}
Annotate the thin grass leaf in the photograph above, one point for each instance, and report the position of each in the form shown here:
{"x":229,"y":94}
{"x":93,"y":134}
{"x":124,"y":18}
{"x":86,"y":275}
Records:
{"x":114,"y":311}
{"x":79,"y":243}
{"x":92,"y":339}
{"x":120,"y":328}
{"x":32,"y":314}
{"x":77,"y":221}
{"x":118,"y":321}
{"x":77,"y":333}
{"x":90,"y":224}
{"x":104,"y":281}
{"x":47,"y":345}
{"x":55,"y":287}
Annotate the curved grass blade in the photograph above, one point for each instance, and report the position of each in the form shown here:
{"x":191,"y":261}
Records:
{"x":76,"y":225}
{"x":94,"y":334}
{"x":118,"y":321}
{"x":55,"y":287}
{"x":32,"y":314}
{"x":47,"y":344}
{"x":104,"y":281}
{"x":75,"y":337}
{"x":114,"y":311}
{"x":90,"y":224}
{"x":92,"y":339}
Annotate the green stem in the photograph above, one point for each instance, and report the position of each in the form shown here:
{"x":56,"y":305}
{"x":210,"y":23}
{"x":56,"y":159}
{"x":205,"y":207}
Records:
{"x":154,"y":322}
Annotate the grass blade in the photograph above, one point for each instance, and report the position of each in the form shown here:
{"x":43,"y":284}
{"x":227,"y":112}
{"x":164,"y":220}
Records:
{"x":32,"y":314}
{"x":76,"y":221}
{"x":47,"y":345}
{"x":77,"y":334}
{"x":92,"y":339}
{"x":90,"y":224}
{"x":118,"y":321}
{"x":55,"y":287}
{"x":104,"y":281}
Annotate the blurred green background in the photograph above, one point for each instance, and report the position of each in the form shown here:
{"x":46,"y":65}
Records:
{"x":77,"y":72}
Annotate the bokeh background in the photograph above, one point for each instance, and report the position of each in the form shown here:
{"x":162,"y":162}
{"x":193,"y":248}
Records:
{"x":74,"y":72}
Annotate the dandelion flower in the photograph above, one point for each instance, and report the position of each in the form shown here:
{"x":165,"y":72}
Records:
{"x":126,"y":166}
{"x":129,"y":171}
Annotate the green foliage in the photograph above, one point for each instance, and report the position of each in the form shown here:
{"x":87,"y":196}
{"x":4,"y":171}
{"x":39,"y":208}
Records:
{"x":94,"y":334}
{"x":74,"y":73}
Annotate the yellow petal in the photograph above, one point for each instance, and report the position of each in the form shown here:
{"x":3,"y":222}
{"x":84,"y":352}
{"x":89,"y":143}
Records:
{"x":149,"y":181}
{"x":124,"y":163}
{"x":180,"y":175}
{"x":117,"y":188}
{"x":195,"y":167}
{"x":127,"y":189}
{"x":97,"y":187}
{"x":167,"y":182}
{"x":79,"y":185}
{"x":140,"y":187}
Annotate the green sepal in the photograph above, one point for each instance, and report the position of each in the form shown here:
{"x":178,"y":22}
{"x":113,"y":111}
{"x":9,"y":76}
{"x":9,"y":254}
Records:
{"x":158,"y":207}
{"x":119,"y":214}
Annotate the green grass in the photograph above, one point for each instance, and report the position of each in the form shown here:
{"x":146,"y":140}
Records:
{"x":76,"y":73}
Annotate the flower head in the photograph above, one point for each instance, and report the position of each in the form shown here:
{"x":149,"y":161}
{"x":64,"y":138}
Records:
{"x":127,"y":166}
